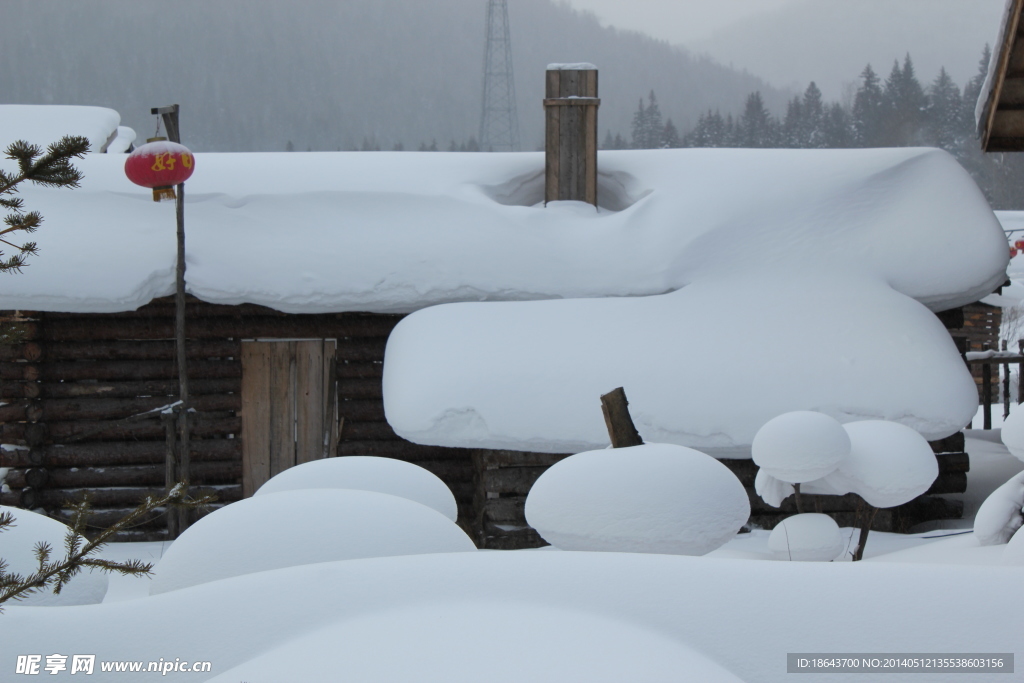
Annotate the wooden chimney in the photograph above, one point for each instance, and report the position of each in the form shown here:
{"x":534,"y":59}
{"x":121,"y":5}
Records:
{"x":570,"y":108}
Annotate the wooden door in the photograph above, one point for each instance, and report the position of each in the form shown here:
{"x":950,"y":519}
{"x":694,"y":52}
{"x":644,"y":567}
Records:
{"x":289,"y":406}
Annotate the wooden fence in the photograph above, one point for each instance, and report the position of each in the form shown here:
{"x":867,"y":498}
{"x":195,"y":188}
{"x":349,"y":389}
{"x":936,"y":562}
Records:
{"x":985,"y":359}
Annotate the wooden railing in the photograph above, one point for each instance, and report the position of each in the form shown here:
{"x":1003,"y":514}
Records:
{"x":986,"y":358}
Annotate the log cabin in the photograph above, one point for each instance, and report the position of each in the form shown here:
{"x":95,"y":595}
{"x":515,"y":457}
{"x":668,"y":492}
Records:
{"x":299,"y":266}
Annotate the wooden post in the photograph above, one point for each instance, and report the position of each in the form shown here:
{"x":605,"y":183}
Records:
{"x":1006,"y":384}
{"x":616,"y":417}
{"x":986,"y":391}
{"x":1020,"y":373}
{"x":183,"y":469}
{"x":570,"y":107}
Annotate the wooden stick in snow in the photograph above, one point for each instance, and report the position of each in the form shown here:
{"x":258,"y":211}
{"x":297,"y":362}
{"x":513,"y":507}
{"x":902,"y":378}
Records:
{"x":616,"y":417}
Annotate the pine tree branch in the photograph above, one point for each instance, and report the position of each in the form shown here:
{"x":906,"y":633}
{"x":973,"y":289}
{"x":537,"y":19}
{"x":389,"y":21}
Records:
{"x":58,"y":574}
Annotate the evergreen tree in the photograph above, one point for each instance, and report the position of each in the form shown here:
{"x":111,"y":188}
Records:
{"x":647,"y":124}
{"x":51,"y":169}
{"x":639,"y":126}
{"x":867,"y":110}
{"x":793,"y":125}
{"x":904,"y":105}
{"x":608,"y":142}
{"x":756,"y":126}
{"x":709,"y":131}
{"x":670,"y":136}
{"x":655,"y":126}
{"x":944,"y":112}
{"x":812,"y":131}
{"x":839,"y":131}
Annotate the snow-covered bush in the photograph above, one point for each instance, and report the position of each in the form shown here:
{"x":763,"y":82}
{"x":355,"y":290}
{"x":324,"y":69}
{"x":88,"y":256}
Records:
{"x":1012,"y":434}
{"x":885,"y":463}
{"x":889,"y":464}
{"x":809,"y":537}
{"x":367,"y":473}
{"x":1000,"y":516}
{"x":654,"y":498}
{"x":800,"y":446}
{"x":292,"y":528}
{"x":17,"y":549}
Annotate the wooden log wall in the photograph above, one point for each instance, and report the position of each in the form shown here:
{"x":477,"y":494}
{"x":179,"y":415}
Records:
{"x":72,"y":384}
{"x":975,"y":328}
{"x":504,"y":478}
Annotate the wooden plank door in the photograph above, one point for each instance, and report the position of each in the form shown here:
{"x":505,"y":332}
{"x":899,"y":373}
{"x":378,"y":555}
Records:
{"x":289,"y":410}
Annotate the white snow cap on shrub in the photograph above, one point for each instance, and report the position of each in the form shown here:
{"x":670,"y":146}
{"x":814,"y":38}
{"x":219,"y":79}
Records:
{"x":889,"y":464}
{"x":809,"y":537}
{"x":800,"y":446}
{"x":654,"y":498}
{"x":1001,"y":515}
{"x":17,"y":548}
{"x":772,"y":491}
{"x":368,"y":473}
{"x":303,"y":527}
{"x":1012,"y":434}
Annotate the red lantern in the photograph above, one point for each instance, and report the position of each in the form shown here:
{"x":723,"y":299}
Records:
{"x":1013,"y":251}
{"x":1019,"y":244}
{"x":160,"y":164}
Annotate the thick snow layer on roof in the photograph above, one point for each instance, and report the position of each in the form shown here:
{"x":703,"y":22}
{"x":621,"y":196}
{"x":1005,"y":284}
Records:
{"x":981,"y":107}
{"x":704,"y":367}
{"x":396,"y":232}
{"x":45,"y":124}
{"x":798,"y":296}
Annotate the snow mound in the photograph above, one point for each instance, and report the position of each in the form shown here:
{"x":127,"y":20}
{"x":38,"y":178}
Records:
{"x":45,"y":124}
{"x":800,"y":446}
{"x":367,"y":473}
{"x":1013,"y":553}
{"x":17,"y":548}
{"x":302,"y":527}
{"x":654,"y":498}
{"x":772,"y":490}
{"x":1012,"y":434}
{"x":808,"y":537}
{"x":414,"y":643}
{"x":1001,"y":514}
{"x":889,"y":464}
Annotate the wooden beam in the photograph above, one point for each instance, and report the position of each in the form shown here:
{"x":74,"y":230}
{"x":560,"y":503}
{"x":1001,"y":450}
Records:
{"x":620,"y":426}
{"x":1003,"y":55}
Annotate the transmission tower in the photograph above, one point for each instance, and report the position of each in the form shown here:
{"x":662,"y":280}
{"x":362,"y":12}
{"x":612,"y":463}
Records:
{"x":499,"y":125}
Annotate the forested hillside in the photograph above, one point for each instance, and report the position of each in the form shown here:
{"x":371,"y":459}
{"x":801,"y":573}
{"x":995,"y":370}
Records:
{"x":894,"y":111}
{"x":327,"y":75}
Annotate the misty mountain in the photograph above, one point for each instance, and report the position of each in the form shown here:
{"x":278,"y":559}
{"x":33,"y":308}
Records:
{"x":254,"y":75}
{"x":830,"y":41}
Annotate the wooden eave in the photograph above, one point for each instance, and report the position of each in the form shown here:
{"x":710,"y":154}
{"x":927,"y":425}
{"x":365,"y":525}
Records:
{"x":1002,"y":122}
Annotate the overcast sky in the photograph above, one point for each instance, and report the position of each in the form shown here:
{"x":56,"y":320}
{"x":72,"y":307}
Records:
{"x":790,"y":43}
{"x":677,"y":21}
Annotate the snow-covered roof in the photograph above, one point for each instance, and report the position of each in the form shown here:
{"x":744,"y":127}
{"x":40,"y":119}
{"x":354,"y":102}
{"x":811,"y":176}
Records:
{"x":992,"y":90}
{"x":789,"y":281}
{"x":397,"y":232}
{"x":44,"y":124}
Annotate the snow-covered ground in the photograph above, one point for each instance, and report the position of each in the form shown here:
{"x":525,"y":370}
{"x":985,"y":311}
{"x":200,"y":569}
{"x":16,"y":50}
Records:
{"x":549,"y":615}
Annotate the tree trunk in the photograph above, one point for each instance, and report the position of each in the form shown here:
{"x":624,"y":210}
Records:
{"x":616,"y":417}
